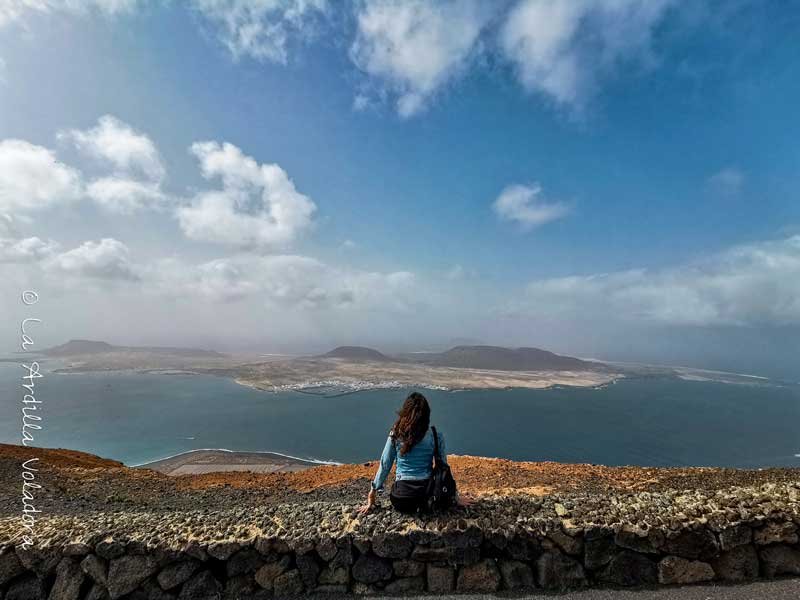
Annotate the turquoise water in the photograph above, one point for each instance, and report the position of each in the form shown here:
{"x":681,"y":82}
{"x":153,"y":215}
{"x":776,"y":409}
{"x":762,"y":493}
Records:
{"x":137,"y":418}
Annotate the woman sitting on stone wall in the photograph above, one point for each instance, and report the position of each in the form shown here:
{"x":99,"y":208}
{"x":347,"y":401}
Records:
{"x":421,"y":482}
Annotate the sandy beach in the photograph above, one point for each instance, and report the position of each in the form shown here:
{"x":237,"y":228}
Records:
{"x":198,"y":462}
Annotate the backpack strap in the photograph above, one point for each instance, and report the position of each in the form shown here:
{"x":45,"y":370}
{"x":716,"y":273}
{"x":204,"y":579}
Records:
{"x":436,"y":445}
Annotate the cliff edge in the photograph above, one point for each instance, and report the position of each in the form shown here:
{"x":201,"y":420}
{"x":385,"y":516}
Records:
{"x":110,"y":531}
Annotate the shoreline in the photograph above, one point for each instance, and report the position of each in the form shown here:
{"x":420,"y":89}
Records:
{"x":17,"y":357}
{"x":355,"y":387}
{"x":470,"y":379}
{"x":351,"y":387}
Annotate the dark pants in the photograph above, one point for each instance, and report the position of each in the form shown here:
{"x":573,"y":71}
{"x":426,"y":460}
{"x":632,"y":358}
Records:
{"x":410,"y":496}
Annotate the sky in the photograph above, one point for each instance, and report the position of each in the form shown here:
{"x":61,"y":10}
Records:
{"x":603,"y":178}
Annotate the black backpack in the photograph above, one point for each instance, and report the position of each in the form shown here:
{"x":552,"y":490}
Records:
{"x":442,"y":487}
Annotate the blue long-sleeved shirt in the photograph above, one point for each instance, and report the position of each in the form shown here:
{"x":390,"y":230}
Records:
{"x":417,"y":463}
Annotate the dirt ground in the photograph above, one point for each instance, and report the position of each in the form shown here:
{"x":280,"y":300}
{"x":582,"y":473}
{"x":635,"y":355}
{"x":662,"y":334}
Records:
{"x":475,"y":475}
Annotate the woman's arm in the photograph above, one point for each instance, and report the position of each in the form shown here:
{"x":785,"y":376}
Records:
{"x":387,"y":460}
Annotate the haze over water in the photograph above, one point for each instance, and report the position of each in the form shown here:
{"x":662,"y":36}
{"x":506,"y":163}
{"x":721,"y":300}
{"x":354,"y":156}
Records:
{"x":137,"y":418}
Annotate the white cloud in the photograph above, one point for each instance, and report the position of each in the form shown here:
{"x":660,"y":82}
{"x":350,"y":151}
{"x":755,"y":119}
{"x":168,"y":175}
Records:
{"x":108,"y":7}
{"x":137,"y":168}
{"x":13,"y":10}
{"x":524,"y":204}
{"x":362,"y":102}
{"x":220,"y":280}
{"x":727,"y":181}
{"x":26,"y":250}
{"x":459,"y":273}
{"x":31,"y":178}
{"x":380,"y":292}
{"x":286,"y":281}
{"x":262,"y":29}
{"x":257,"y":207}
{"x":413,"y":48}
{"x":755,"y":284}
{"x":16,"y":249}
{"x":108,"y":259}
{"x":562,"y":48}
{"x":117,"y":143}
{"x":7,"y":227}
{"x":409,"y":50}
{"x":455,"y":273}
{"x":123,"y":195}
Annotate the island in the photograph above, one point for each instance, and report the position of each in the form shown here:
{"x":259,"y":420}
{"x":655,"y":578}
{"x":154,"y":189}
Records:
{"x":347,"y":368}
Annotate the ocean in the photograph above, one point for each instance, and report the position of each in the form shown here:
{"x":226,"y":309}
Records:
{"x":137,"y":418}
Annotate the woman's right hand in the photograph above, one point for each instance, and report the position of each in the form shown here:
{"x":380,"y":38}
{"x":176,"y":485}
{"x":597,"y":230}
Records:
{"x":372,"y":500}
{"x":464,"y":501}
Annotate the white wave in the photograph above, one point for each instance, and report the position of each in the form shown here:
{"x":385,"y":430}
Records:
{"x":310,"y":460}
{"x":340,"y":385}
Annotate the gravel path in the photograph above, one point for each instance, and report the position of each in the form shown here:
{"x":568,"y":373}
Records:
{"x":785,"y":589}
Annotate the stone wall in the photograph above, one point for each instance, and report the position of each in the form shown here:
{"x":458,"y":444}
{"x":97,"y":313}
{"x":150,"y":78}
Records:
{"x":462,"y":559}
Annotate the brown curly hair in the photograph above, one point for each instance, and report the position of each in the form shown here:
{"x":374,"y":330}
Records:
{"x":412,"y":422}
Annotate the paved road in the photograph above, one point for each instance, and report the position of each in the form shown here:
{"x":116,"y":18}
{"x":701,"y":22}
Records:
{"x":784,"y":589}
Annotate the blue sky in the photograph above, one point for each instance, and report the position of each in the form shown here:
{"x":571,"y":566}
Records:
{"x":578,"y":176}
